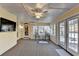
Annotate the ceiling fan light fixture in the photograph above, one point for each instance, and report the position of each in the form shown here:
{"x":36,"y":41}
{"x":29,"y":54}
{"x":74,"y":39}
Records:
{"x":38,"y":15}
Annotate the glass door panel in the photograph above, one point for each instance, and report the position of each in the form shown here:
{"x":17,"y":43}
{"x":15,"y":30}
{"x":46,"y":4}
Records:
{"x":62,"y":34}
{"x":73,"y":35}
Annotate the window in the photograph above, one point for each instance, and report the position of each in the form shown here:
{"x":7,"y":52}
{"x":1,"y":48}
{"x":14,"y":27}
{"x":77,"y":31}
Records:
{"x":34,"y":29}
{"x":42,"y":30}
{"x":54,"y":30}
{"x":73,"y":34}
{"x":48,"y":29}
{"x":62,"y":33}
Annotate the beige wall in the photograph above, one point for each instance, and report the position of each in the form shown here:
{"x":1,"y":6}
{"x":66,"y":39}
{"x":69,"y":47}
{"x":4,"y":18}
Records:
{"x":20,"y":30}
{"x":7,"y":15}
{"x":68,"y":14}
{"x":7,"y":39}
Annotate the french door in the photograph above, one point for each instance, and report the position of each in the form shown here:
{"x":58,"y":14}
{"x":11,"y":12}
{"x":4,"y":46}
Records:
{"x":42,"y":32}
{"x":62,"y":35}
{"x":73,"y":42}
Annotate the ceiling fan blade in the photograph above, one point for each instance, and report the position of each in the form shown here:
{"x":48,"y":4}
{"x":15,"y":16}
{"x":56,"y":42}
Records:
{"x":56,"y":8}
{"x":28,"y":9}
{"x":40,"y":5}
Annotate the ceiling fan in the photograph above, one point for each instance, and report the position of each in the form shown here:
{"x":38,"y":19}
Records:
{"x":40,"y":10}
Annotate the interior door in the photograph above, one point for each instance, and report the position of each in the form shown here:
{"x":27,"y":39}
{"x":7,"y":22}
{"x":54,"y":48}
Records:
{"x":73,"y":43}
{"x":62,"y":34}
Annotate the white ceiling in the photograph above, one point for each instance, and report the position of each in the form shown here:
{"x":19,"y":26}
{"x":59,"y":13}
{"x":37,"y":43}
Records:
{"x":54,"y":10}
